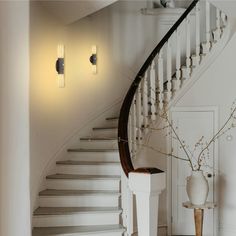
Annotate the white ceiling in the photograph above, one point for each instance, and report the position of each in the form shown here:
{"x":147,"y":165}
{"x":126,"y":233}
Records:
{"x":70,"y":11}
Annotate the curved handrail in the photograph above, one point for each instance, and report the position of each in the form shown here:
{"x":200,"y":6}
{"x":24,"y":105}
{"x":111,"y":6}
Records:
{"x":124,"y":151}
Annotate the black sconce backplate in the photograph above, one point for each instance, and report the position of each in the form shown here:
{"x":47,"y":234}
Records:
{"x":93,"y":59}
{"x":60,"y":66}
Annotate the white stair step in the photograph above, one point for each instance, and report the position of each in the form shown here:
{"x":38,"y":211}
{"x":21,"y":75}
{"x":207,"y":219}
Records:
{"x":97,"y":230}
{"x":99,"y":142}
{"x":107,"y":131}
{"x":75,"y":216}
{"x":94,"y":154}
{"x":83,"y":182}
{"x":112,"y":120}
{"x":88,"y":167}
{"x":77,"y":198}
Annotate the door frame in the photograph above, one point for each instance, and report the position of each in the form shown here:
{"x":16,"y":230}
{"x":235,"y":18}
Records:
{"x":215,"y":111}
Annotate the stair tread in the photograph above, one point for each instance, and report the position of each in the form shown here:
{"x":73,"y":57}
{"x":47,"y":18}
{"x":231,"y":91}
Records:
{"x":91,"y":150}
{"x":53,"y":192}
{"x":98,"y":138}
{"x":73,"y":210}
{"x":47,"y":231}
{"x":70,"y":176}
{"x":71,"y":162}
{"x":105,"y":128}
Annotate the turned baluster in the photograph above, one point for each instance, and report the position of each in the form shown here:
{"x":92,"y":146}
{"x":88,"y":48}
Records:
{"x":153,"y":91}
{"x":145,"y":101}
{"x":197,"y":56}
{"x":169,"y":71}
{"x":139,"y":114}
{"x":218,"y":28}
{"x":160,"y":81}
{"x":207,"y":45}
{"x":134,"y":128}
{"x":188,"y":48}
{"x":178,"y":62}
{"x":130,"y":132}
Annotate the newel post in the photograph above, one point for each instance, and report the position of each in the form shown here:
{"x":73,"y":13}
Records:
{"x":147,"y":184}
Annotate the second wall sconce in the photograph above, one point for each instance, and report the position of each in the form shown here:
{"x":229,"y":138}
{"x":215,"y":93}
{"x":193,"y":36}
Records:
{"x":93,"y":59}
{"x":60,"y":65}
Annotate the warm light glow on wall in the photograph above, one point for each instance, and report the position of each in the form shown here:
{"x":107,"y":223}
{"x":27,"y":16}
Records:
{"x":60,"y":65}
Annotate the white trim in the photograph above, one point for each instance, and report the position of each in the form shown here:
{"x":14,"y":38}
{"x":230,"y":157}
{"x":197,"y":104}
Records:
{"x":215,"y":111}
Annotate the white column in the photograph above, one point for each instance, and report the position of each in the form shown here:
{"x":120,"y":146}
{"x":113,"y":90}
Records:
{"x":147,"y":187}
{"x":15,"y":215}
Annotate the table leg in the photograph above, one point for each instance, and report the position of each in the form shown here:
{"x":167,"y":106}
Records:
{"x":198,"y":217}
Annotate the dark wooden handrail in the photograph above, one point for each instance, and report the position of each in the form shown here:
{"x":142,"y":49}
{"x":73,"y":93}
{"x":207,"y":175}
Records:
{"x":124,"y":151}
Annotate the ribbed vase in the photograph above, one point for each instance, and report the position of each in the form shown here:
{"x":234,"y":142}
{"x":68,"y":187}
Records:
{"x":197,"y":188}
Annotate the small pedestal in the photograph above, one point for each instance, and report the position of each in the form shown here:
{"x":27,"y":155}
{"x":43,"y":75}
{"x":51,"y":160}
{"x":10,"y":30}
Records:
{"x":147,"y":184}
{"x":199,"y":214}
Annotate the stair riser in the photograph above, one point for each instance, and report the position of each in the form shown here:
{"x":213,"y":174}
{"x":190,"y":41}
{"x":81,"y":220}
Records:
{"x":79,"y":201}
{"x":84,"y":184}
{"x":89,"y":169}
{"x":77,"y":219}
{"x":112,"y":123}
{"x":94,"y":156}
{"x":105,"y":132}
{"x":94,"y":144}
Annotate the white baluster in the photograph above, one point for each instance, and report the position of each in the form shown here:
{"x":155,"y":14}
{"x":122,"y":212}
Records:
{"x":217,"y":31}
{"x":153,"y":91}
{"x":196,"y":59}
{"x":134,"y":129}
{"x":130,"y":133}
{"x":207,"y":45}
{"x":178,"y":62}
{"x":139,"y":114}
{"x":169,"y":71}
{"x":160,"y":80}
{"x":145,"y":102}
{"x":186,"y":70}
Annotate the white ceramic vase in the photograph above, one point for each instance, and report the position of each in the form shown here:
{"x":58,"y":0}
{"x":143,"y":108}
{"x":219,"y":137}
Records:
{"x":197,"y":188}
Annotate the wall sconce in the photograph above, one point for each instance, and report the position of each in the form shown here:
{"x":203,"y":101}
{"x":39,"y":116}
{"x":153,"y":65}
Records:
{"x":93,"y":59}
{"x":60,"y":65}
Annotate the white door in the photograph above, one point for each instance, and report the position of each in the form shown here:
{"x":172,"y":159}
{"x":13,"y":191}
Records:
{"x":192,"y":125}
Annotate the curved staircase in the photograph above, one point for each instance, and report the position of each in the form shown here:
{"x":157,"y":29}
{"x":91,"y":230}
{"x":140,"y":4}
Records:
{"x":89,"y":188}
{"x":83,"y":197}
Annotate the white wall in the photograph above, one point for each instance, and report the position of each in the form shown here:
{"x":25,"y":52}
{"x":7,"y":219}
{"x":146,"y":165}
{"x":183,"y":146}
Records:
{"x":14,"y":121}
{"x":217,"y":88}
{"x":124,"y":39}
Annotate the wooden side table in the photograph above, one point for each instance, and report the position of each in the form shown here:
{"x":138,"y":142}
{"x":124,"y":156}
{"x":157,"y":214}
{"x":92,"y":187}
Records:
{"x":198,"y":214}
